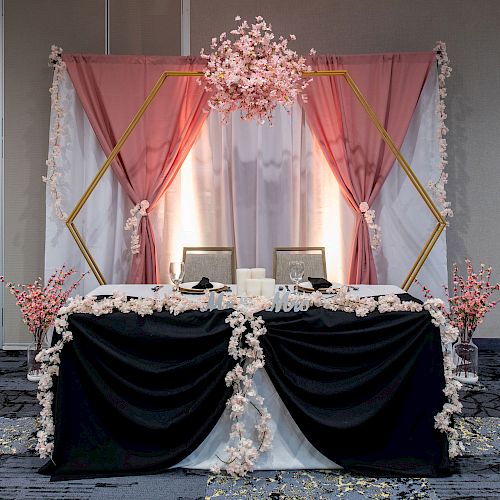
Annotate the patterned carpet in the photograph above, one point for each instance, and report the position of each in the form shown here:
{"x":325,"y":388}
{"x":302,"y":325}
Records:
{"x":477,"y":472}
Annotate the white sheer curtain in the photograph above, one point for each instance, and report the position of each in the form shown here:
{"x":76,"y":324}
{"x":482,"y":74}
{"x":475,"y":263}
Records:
{"x":256,"y":187}
{"x":253,"y":186}
{"x":101,"y":220}
{"x":405,"y":219}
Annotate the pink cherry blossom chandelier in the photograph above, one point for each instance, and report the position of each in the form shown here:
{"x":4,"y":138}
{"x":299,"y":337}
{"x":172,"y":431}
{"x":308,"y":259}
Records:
{"x":253,"y":72}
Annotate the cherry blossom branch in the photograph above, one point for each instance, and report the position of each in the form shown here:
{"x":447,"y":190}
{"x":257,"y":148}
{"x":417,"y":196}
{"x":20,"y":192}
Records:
{"x":253,"y":73}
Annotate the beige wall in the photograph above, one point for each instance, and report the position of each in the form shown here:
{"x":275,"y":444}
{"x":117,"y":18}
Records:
{"x":331,"y":26}
{"x":470,"y":29}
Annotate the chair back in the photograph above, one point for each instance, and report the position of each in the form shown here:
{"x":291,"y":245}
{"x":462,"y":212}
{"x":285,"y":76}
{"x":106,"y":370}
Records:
{"x":216,"y":263}
{"x":313,"y":258}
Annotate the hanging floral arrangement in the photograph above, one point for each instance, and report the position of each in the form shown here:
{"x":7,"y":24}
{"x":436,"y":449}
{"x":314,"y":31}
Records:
{"x":253,"y":72}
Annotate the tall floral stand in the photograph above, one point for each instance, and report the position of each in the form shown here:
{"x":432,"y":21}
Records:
{"x":465,"y":359}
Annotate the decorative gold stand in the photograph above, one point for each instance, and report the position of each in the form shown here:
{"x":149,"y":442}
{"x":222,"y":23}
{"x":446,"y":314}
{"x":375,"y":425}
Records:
{"x":440,"y":222}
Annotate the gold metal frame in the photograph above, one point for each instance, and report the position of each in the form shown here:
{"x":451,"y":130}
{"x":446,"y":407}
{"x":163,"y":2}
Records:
{"x":298,"y":249}
{"x":431,"y":241}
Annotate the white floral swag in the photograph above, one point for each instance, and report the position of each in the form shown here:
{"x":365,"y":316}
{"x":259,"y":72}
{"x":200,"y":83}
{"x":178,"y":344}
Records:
{"x":244,"y":347}
{"x":132,"y":223}
{"x":375,"y":230}
{"x":438,"y":187}
{"x":56,"y":131}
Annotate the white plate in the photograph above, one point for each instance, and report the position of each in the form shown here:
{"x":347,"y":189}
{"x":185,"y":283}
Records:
{"x":188,"y":287}
{"x":306,"y":286}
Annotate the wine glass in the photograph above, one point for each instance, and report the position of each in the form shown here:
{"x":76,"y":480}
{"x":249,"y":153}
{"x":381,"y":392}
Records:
{"x":176,"y":274}
{"x":296,"y":270}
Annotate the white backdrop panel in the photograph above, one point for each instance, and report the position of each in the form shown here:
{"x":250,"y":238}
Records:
{"x":405,"y":219}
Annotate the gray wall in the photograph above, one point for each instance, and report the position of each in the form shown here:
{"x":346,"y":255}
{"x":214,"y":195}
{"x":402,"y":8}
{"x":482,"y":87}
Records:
{"x":31,"y":27}
{"x":330,"y":26}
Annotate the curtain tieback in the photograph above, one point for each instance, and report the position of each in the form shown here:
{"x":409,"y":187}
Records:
{"x":375,"y":229}
{"x":136,"y":214}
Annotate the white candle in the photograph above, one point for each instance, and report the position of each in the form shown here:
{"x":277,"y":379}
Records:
{"x":268,"y":286}
{"x":258,"y":273}
{"x":241,"y":278}
{"x":253,"y":287}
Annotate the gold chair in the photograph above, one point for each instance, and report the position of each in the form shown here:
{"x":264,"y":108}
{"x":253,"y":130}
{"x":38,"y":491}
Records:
{"x":216,"y":263}
{"x":313,"y":258}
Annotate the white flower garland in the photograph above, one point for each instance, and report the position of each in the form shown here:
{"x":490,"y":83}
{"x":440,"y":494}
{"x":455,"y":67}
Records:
{"x":244,"y":347}
{"x":438,"y":188}
{"x":242,"y":457}
{"x":443,"y":420}
{"x":375,"y":229}
{"x":137,"y":213}
{"x":56,"y":132}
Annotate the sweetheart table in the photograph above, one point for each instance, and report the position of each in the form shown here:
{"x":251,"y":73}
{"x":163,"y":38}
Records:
{"x":139,"y":395}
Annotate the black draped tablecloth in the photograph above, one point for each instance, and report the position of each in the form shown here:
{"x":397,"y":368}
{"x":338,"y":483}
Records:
{"x":364,"y":391}
{"x":137,"y":395}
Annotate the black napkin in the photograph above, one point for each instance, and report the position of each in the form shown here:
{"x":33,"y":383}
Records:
{"x":318,"y":283}
{"x":203,"y":284}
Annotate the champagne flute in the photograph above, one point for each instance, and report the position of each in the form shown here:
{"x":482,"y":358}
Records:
{"x":176,"y":274}
{"x":296,"y":269}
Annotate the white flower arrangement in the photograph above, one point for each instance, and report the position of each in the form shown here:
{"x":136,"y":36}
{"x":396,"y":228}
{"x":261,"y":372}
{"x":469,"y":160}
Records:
{"x":132,"y":223}
{"x":375,"y":229}
{"x":438,"y":188}
{"x":56,"y":132}
{"x":245,"y":348}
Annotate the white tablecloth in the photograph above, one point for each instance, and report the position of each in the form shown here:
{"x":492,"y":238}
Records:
{"x":147,"y":290}
{"x":290,"y":448}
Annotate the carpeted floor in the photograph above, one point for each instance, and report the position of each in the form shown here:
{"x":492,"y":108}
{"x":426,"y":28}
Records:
{"x":477,"y":472}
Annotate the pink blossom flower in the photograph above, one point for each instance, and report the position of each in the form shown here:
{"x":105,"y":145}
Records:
{"x":252,"y":72}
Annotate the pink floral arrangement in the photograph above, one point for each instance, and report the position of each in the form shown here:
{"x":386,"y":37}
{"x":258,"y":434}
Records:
{"x":471,"y":298}
{"x":254,"y":72}
{"x":40,"y":304}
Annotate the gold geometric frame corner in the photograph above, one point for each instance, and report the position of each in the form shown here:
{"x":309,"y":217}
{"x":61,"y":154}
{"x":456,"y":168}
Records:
{"x":419,"y":262}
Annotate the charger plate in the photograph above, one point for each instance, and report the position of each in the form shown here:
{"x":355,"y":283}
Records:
{"x":306,"y":286}
{"x":188,"y":288}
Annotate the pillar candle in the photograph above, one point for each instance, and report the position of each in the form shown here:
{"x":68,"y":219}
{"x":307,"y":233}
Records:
{"x":258,"y":273}
{"x":268,"y":286}
{"x":253,"y":287}
{"x":241,"y":278}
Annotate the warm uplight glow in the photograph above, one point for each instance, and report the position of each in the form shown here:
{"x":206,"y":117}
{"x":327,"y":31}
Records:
{"x":187,"y":227}
{"x":329,"y":218}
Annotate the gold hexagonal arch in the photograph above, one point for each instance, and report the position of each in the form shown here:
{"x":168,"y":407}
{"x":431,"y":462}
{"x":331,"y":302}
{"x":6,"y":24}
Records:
{"x":428,"y":246}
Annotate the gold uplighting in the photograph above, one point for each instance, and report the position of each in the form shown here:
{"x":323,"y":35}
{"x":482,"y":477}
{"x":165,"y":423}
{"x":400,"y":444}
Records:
{"x":428,"y":246}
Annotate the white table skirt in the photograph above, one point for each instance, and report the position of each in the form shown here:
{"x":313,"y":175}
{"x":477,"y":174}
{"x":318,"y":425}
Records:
{"x":290,"y":448}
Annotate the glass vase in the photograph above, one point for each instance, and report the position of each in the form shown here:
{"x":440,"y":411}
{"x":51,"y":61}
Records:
{"x":465,"y":359}
{"x":35,"y":367}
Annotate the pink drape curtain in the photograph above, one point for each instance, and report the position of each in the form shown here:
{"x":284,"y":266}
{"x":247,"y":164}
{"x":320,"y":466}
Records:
{"x":354,"y":149}
{"x":111,"y":90}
